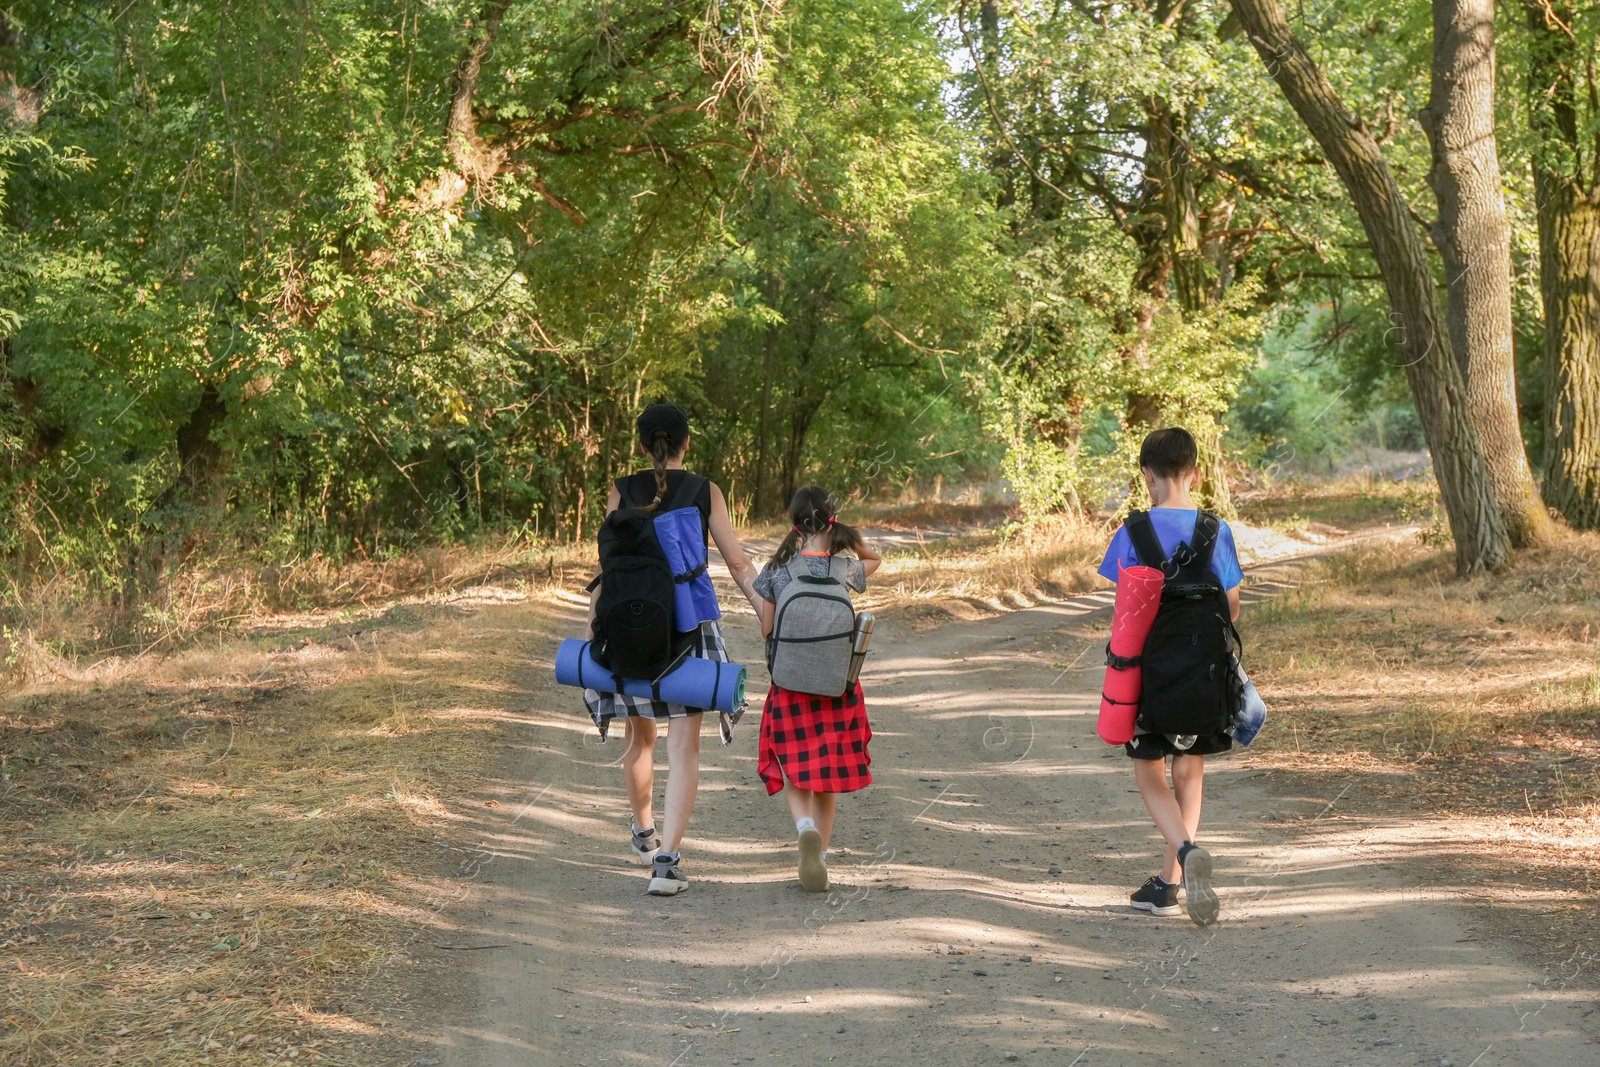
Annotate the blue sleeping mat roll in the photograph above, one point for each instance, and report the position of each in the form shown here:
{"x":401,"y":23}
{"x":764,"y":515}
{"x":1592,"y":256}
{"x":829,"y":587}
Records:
{"x":694,"y":683}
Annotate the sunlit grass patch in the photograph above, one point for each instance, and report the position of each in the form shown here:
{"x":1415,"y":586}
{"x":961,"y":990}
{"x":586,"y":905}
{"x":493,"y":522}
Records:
{"x":210,"y":861}
{"x":1036,"y":563}
{"x":1381,"y":651}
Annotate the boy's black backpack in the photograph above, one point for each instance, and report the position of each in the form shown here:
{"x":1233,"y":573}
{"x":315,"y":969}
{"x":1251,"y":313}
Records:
{"x":1190,"y":683}
{"x":634,"y":635}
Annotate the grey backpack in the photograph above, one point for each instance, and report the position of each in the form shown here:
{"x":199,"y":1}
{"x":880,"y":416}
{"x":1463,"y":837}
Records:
{"x":813,"y":628}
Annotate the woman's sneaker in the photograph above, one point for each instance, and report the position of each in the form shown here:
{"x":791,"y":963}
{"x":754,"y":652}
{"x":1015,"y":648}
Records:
{"x":1156,"y":897}
{"x":813,"y":867}
{"x":1197,"y":891}
{"x":665,"y":878}
{"x":644,"y":844}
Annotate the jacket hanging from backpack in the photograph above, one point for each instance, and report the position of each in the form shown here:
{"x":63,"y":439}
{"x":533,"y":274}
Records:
{"x":1190,"y":682}
{"x":813,"y":631}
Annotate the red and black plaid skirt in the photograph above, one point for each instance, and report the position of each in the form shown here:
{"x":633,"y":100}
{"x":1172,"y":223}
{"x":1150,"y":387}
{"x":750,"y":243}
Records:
{"x":818,"y":743}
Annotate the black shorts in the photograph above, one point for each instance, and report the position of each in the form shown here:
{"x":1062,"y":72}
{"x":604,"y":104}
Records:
{"x":1156,"y":746}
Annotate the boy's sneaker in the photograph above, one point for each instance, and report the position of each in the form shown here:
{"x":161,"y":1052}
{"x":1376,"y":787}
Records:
{"x":1197,"y":891}
{"x":813,"y":868}
{"x":1156,"y":897}
{"x":665,"y":878}
{"x":644,"y":844}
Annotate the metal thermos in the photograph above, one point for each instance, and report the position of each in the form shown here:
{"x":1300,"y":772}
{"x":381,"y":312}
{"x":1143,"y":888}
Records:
{"x":858,"y":646}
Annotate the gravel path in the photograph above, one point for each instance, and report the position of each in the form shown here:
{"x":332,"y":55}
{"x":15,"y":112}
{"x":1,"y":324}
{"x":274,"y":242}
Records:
{"x":980,"y":906}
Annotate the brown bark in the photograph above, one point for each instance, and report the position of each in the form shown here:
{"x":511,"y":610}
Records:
{"x":1151,"y":232}
{"x":19,"y":104}
{"x":1474,"y":242}
{"x":477,"y":161}
{"x":1435,"y":379}
{"x":201,"y":462}
{"x":1568,"y":195}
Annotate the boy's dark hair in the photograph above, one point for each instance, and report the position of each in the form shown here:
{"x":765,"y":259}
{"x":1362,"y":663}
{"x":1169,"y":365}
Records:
{"x":812,"y":511}
{"x":1170,"y":452}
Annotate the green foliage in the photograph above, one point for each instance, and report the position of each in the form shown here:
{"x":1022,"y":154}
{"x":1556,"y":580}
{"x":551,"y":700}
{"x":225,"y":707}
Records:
{"x":1301,"y":411}
{"x":261,"y":287}
{"x":347,"y":278}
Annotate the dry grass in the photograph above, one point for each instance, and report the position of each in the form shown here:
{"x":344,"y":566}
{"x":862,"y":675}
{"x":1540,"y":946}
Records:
{"x":990,"y":572}
{"x":1380,"y":651}
{"x":1476,"y":702}
{"x":217,"y":862}
{"x":54,"y":622}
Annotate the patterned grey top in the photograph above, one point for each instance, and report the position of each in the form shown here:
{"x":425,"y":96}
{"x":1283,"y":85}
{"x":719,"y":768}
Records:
{"x":774,"y":576}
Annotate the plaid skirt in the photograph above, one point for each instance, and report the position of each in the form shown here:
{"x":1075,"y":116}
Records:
{"x":603,"y":707}
{"x":818,"y":743}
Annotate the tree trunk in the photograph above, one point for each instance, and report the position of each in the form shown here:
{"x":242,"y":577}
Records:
{"x":1474,"y":242}
{"x":1569,"y":268}
{"x":1001,"y":163}
{"x":1435,"y":379}
{"x":201,"y":463}
{"x":1569,"y":277}
{"x":761,"y":506}
{"x":794,"y":456}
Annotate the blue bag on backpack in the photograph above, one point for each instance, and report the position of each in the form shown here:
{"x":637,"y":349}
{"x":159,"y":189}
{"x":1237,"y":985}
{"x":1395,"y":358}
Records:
{"x":683,"y":541}
{"x":1252,"y":712}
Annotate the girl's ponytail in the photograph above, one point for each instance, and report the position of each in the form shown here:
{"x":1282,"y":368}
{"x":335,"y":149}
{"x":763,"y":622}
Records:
{"x":787,"y":547}
{"x":844,"y":537}
{"x":812,"y":511}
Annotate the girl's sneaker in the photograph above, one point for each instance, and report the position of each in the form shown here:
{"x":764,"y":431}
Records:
{"x":665,"y":878}
{"x":1156,"y":897}
{"x":1197,"y":891}
{"x":813,"y":867}
{"x":644,"y":844}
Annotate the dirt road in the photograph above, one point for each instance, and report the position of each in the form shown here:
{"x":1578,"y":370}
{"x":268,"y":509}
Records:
{"x":980,"y":910}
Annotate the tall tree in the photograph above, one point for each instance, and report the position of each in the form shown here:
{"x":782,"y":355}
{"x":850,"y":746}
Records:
{"x":1435,"y":378}
{"x":1474,"y":242}
{"x":1150,"y":221}
{"x":1566,"y":173}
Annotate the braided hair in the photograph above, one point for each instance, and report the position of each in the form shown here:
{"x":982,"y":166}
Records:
{"x":660,"y":447}
{"x":663,"y":433}
{"x":812,"y":511}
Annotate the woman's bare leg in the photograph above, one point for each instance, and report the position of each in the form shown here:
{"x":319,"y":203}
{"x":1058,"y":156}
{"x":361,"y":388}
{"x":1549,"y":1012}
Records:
{"x":683,"y":778}
{"x":639,"y":768}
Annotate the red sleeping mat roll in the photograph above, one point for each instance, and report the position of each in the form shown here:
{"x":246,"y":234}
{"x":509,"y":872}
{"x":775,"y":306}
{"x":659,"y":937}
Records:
{"x":1138,"y":600}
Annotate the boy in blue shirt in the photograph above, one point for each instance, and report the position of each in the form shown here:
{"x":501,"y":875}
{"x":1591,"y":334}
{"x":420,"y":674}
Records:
{"x":1168,"y":460}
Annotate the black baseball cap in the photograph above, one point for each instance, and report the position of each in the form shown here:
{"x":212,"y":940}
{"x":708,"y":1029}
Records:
{"x":664,"y":418}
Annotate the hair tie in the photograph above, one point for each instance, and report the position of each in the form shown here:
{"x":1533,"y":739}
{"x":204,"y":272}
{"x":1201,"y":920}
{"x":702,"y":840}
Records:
{"x":832,"y":519}
{"x":796,"y":529}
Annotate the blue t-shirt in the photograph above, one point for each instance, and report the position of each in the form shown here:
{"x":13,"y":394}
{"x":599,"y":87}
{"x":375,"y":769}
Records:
{"x":1173,"y":527}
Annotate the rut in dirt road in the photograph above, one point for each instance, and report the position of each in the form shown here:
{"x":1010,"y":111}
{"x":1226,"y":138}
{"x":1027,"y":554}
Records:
{"x":980,"y":905}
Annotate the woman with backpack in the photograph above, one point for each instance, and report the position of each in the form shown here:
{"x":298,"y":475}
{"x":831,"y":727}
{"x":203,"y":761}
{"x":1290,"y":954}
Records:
{"x":812,"y":734}
{"x":641,"y":507}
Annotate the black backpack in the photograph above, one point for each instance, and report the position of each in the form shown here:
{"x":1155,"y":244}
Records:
{"x":634,"y":635}
{"x":1190,"y":684}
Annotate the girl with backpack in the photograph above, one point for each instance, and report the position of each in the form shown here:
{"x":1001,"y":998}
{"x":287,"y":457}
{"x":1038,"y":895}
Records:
{"x":664,"y":437}
{"x":813,"y":744}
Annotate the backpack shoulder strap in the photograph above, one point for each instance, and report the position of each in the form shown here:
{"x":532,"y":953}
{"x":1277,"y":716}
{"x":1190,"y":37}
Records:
{"x":1142,"y":532}
{"x":797,"y":567}
{"x":839,"y":570}
{"x":1203,"y":542}
{"x":683,"y":496}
